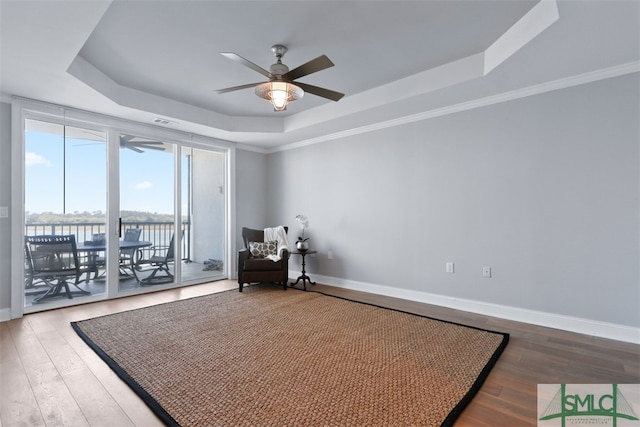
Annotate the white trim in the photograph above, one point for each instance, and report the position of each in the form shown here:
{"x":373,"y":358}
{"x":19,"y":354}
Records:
{"x":532,"y":24}
{"x":121,"y":124}
{"x":17,"y":210}
{"x":255,"y":149}
{"x":113,"y":205}
{"x":549,"y":320}
{"x":231,"y":267}
{"x":593,"y":76}
{"x":5,"y":314}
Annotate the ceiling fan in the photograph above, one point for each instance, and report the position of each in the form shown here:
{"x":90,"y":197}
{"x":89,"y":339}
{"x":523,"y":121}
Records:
{"x":280,"y":90}
{"x":139,"y":144}
{"x":131,"y":142}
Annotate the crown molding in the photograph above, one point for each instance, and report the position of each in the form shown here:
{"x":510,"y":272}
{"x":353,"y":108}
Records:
{"x":577,"y":80}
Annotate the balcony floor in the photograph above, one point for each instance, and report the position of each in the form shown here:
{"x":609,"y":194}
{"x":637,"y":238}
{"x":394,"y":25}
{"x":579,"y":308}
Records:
{"x":192,"y":273}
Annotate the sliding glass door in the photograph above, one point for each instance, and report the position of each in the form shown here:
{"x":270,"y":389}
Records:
{"x":147,"y":212}
{"x":109,"y":212}
{"x":65,"y":171}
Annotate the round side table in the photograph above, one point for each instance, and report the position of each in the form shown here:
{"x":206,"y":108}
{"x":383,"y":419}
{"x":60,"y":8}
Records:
{"x":304,"y":276}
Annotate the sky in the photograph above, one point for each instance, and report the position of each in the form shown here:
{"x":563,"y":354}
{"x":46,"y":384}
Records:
{"x":146,"y":179}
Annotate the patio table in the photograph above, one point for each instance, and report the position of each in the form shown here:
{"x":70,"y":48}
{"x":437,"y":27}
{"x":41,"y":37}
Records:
{"x":92,"y":249}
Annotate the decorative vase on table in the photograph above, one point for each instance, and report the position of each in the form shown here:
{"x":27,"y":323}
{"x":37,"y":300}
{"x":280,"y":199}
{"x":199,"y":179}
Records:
{"x":301,"y":243}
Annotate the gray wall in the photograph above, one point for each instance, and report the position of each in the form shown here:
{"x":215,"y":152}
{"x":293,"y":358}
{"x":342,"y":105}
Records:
{"x":5,"y":200}
{"x":545,"y":190}
{"x":251,"y":192}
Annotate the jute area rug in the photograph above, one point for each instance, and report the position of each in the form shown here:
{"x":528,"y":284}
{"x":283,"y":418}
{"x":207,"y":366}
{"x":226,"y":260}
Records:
{"x":269,"y":357}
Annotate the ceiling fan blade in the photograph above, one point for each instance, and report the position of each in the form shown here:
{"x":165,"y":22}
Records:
{"x":231,"y":89}
{"x":94,"y":134}
{"x":143,"y":147}
{"x":138,"y":140}
{"x":246,"y":63}
{"x":320,"y":91}
{"x":138,"y":144}
{"x":147,"y":147}
{"x":146,"y":143}
{"x":131,"y":147}
{"x":315,"y":65}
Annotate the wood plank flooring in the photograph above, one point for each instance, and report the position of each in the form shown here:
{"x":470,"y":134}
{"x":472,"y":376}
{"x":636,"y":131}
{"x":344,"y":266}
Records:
{"x":49,"y":377}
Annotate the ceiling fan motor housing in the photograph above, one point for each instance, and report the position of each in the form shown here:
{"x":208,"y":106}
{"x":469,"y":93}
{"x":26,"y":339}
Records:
{"x":278,"y":70}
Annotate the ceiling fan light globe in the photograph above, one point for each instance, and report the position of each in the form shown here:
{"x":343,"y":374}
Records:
{"x":279,"y":93}
{"x":279,"y":99}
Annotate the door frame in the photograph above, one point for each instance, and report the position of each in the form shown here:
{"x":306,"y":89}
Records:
{"x":22,"y":109}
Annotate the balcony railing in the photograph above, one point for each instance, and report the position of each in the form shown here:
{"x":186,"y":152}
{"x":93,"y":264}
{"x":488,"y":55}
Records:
{"x":158,"y":233}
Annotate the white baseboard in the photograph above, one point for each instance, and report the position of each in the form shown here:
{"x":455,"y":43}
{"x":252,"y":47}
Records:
{"x":550,"y":320}
{"x":5,"y":314}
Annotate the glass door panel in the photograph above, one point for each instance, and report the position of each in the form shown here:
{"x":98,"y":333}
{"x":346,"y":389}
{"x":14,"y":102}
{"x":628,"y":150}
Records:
{"x":64,"y":194}
{"x":203,"y":214}
{"x":147,"y":213}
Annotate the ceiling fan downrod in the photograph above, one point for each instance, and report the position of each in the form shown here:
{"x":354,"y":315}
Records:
{"x":278,"y":69}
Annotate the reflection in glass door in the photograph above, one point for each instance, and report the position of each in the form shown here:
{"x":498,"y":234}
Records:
{"x":203,"y":214}
{"x":147,"y":213}
{"x":65,"y":213}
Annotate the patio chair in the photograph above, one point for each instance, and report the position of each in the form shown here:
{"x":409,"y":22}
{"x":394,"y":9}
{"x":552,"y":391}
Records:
{"x":157,"y":264}
{"x":54,"y":261}
{"x":32,"y":285}
{"x":128,"y":256}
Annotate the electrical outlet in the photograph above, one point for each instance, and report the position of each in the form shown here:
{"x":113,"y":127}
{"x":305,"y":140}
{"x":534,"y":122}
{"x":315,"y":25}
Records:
{"x":448,"y":267}
{"x":486,"y":272}
{"x":329,"y":254}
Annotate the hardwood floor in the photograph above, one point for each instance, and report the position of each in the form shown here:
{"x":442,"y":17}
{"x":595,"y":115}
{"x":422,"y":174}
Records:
{"x":49,"y":377}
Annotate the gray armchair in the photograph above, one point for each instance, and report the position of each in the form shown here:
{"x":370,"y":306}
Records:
{"x":260,"y":270}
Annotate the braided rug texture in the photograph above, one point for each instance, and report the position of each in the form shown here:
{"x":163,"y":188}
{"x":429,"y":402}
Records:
{"x":268,"y":357}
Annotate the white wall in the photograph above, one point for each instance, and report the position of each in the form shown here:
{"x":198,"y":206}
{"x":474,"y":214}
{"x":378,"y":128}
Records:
{"x":545,"y":190}
{"x":208,"y":206}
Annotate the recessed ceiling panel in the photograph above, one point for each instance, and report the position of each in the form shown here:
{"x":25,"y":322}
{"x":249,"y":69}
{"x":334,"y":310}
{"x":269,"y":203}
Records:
{"x":171,"y":48}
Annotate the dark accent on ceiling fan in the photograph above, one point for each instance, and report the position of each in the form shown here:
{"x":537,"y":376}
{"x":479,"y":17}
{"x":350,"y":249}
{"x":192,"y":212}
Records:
{"x":318,"y":64}
{"x":139,"y":144}
{"x":280,"y":72}
{"x":246,"y":63}
{"x":320,"y":91}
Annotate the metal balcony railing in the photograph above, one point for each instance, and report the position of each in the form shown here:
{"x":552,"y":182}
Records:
{"x":158,"y":233}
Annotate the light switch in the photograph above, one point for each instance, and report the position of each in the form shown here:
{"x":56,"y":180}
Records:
{"x":4,"y":212}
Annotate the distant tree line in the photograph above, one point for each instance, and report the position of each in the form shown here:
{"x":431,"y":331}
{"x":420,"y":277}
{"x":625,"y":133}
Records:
{"x":96,"y":217}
